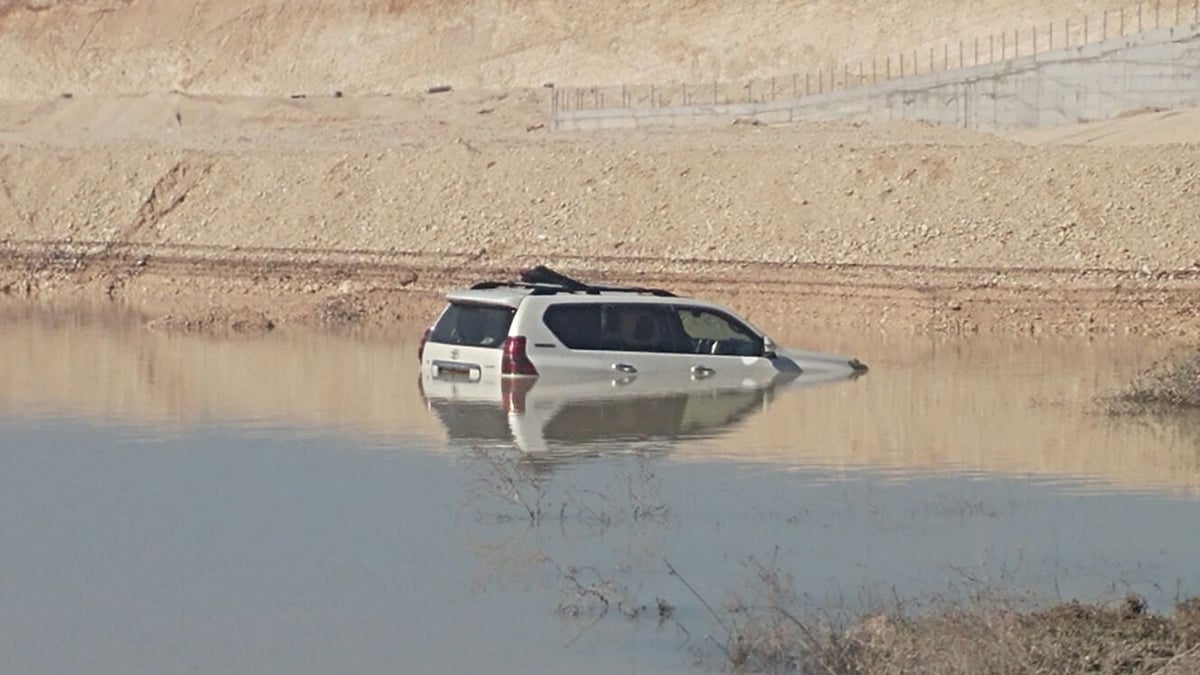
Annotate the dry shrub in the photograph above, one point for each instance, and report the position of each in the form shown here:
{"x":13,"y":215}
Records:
{"x":997,"y":637}
{"x":1169,"y":385}
{"x":772,"y":629}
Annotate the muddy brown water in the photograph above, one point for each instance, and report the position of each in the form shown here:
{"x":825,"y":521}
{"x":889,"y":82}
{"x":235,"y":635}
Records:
{"x":292,"y":502}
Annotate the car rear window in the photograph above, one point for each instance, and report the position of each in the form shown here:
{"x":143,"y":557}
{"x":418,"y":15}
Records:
{"x":473,"y":325}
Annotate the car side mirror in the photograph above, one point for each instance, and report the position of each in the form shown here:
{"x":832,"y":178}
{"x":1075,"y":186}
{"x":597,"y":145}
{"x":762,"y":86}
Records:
{"x":768,"y":348}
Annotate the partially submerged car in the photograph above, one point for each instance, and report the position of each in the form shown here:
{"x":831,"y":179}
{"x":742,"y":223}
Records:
{"x":546,"y":323}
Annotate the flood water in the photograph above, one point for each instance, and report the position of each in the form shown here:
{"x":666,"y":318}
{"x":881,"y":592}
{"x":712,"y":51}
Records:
{"x":294,"y":503}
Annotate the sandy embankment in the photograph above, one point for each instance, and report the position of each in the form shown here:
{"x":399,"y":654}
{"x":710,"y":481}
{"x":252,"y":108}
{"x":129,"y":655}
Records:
{"x":234,"y":203}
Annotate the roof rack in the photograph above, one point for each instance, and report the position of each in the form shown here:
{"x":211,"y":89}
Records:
{"x":545,"y":281}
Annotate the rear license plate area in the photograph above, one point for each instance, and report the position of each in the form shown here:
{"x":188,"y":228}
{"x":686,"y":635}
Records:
{"x":456,"y":372}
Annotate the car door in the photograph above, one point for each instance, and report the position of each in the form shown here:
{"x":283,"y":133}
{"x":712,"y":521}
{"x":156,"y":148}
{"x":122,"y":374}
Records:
{"x":609,"y":340}
{"x":690,"y":344}
{"x":721,"y":349}
{"x":466,"y":343}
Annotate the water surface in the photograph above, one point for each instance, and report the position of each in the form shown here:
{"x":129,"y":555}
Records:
{"x":293,"y":503}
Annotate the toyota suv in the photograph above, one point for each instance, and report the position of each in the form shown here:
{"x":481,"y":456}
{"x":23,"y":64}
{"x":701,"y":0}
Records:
{"x":549,"y":325}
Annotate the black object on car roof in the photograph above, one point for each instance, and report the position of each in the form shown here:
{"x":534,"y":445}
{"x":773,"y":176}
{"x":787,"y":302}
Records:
{"x":545,"y":281}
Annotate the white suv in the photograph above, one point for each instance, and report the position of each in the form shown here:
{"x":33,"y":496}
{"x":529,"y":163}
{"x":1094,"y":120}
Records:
{"x":552,"y":326}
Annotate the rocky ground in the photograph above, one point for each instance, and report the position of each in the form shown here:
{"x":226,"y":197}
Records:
{"x":212,"y":209}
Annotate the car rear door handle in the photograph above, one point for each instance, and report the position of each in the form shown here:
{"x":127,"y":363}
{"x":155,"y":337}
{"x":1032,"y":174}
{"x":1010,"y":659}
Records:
{"x":624,"y":368}
{"x":702,"y":372}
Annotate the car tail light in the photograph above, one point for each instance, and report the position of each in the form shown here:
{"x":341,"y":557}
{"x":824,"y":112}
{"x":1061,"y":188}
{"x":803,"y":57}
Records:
{"x":421,"y":348}
{"x":515,"y":361}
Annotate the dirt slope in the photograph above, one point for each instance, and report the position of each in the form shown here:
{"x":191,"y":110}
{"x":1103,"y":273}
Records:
{"x":281,"y":47}
{"x":942,"y":219}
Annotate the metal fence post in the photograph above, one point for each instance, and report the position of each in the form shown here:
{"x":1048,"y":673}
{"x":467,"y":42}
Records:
{"x":807,"y":84}
{"x":1003,"y":46}
{"x":960,"y":54}
{"x":1051,"y":37}
{"x":1035,"y":41}
{"x":1122,"y":10}
{"x":916,"y":64}
{"x":976,"y":51}
{"x":991,"y":48}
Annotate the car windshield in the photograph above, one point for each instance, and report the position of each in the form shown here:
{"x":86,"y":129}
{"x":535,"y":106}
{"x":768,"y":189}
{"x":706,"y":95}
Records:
{"x":473,"y":325}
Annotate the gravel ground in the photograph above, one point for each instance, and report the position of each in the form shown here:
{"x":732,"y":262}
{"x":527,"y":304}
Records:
{"x":222,"y":205}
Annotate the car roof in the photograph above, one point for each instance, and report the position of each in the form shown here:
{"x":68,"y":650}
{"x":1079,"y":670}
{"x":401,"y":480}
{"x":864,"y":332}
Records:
{"x":491,"y":296}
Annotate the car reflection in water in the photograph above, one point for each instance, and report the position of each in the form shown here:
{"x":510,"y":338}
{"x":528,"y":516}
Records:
{"x":559,"y":420}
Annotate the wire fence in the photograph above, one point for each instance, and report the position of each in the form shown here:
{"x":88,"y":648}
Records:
{"x":949,"y":55}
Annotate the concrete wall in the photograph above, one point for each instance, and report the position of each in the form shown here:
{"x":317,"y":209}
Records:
{"x":1156,"y":68}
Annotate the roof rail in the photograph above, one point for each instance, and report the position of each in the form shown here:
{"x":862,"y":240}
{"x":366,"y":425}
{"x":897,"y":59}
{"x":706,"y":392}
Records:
{"x":545,"y":281}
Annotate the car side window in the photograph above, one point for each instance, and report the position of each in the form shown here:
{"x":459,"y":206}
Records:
{"x":712,"y":332}
{"x":642,"y":328}
{"x":576,"y":326}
